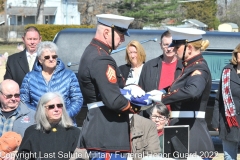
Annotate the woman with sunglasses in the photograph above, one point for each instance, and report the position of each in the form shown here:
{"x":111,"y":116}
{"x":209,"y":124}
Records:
{"x":50,"y":74}
{"x":53,"y":136}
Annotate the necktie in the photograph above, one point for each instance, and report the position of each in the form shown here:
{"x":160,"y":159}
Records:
{"x":130,"y":75}
{"x":31,"y":62}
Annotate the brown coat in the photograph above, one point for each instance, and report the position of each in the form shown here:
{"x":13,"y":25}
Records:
{"x":144,"y":137}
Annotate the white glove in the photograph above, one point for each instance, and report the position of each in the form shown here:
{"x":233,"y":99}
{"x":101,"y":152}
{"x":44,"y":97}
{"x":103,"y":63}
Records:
{"x":156,"y":98}
{"x":156,"y":92}
{"x":156,"y":95}
{"x":136,"y":91}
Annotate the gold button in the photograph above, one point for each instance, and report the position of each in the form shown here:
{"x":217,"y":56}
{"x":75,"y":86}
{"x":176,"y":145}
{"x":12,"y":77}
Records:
{"x":163,"y":95}
{"x":169,"y":92}
{"x":119,"y":115}
{"x":175,"y":90}
{"x":196,"y":62}
{"x":100,"y":48}
{"x":131,"y":107}
{"x":136,"y":109}
{"x":54,"y":129}
{"x":185,"y":63}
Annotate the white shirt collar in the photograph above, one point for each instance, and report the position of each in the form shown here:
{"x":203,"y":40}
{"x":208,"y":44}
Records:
{"x":34,"y":54}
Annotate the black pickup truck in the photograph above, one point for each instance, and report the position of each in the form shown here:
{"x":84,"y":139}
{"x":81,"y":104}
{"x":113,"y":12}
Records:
{"x":72,"y":42}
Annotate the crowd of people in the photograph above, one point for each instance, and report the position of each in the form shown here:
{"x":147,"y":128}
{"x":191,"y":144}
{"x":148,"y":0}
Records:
{"x":40,"y":98}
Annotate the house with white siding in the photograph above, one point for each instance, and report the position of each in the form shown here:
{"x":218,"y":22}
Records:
{"x":62,"y":12}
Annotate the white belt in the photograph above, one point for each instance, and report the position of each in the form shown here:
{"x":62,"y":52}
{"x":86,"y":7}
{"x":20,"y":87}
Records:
{"x":187,"y":114}
{"x":95,"y":105}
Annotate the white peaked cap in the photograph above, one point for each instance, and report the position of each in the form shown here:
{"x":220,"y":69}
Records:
{"x":188,"y":34}
{"x":116,"y":20}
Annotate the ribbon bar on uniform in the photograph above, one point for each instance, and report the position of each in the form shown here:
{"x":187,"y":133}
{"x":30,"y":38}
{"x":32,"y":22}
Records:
{"x":187,"y":114}
{"x":95,"y":105}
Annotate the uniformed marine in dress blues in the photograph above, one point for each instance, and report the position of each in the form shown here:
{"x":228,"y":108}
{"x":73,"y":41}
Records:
{"x":188,"y":95}
{"x":106,"y":127}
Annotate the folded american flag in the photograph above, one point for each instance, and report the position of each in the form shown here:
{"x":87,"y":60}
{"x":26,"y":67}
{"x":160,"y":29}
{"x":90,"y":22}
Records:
{"x":139,"y":101}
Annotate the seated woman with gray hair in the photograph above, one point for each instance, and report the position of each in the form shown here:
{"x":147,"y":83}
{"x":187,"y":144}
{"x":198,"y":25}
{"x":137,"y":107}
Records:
{"x":53,"y":135}
{"x":50,"y":74}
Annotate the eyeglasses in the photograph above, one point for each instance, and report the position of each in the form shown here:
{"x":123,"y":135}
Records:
{"x":53,"y":57}
{"x":161,"y":118}
{"x":52,"y":106}
{"x":10,"y":95}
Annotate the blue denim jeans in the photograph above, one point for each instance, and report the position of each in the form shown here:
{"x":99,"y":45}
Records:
{"x":230,"y":150}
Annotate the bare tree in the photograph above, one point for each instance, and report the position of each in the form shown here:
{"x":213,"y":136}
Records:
{"x":40,"y":8}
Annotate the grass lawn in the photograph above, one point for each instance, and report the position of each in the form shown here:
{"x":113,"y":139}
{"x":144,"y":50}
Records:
{"x":10,"y":48}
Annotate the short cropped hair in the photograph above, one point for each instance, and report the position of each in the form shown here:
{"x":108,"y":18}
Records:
{"x":41,"y":118}
{"x":140,"y":52}
{"x":31,"y":28}
{"x":161,"y":109}
{"x":165,"y":34}
{"x":234,"y":55}
{"x":46,"y":45}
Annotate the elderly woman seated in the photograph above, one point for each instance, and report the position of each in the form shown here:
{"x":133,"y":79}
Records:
{"x":53,"y":136}
{"x":50,"y":74}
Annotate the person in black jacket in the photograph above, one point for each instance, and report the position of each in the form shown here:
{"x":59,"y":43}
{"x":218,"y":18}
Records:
{"x":156,"y":73}
{"x":19,"y":64}
{"x":160,"y":72}
{"x":105,"y":130}
{"x":226,"y":113}
{"x":188,"y":95}
{"x":135,"y":57}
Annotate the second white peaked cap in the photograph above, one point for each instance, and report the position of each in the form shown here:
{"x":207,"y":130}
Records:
{"x":121,"y":23}
{"x":181,"y":35}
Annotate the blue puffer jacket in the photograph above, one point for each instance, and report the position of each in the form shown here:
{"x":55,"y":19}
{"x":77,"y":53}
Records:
{"x":63,"y":81}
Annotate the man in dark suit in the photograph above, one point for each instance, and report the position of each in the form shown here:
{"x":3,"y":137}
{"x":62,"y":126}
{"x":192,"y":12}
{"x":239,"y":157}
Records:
{"x":19,"y":64}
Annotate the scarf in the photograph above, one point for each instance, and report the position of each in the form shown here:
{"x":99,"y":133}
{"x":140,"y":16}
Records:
{"x":160,"y":133}
{"x":229,"y":106}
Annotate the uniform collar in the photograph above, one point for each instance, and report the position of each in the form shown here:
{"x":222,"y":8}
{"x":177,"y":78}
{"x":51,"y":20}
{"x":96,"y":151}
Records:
{"x":193,"y":60}
{"x":102,"y":45}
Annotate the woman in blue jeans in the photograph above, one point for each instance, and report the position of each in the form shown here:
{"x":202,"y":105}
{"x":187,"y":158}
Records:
{"x":226,"y":114}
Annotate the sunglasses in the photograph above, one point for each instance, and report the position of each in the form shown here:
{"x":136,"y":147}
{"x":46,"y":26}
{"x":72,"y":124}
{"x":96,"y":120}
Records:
{"x":53,"y":57}
{"x":10,"y":95}
{"x":52,"y":106}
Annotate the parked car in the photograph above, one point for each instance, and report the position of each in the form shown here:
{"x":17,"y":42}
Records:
{"x":216,"y":59}
{"x":72,"y":43}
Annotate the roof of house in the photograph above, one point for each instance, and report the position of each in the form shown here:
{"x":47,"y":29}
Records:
{"x":195,"y":22}
{"x":188,"y":25}
{"x":30,"y":11}
{"x":233,"y":25}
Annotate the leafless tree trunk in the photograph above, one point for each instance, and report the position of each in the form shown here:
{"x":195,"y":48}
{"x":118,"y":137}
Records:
{"x":226,"y":4}
{"x":5,"y":10}
{"x":40,"y":8}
